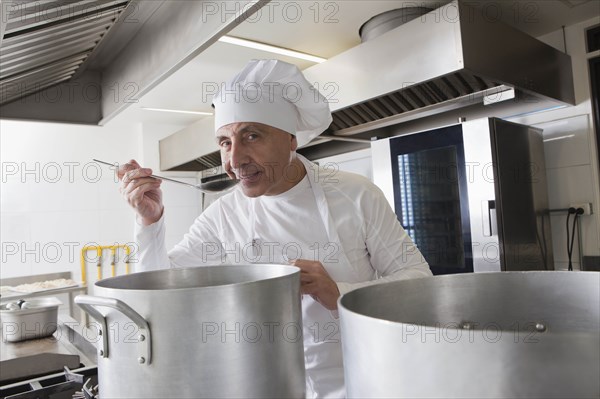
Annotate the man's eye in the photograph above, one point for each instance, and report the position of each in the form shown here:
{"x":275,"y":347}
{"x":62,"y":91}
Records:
{"x":252,"y":136}
{"x":224,"y":144}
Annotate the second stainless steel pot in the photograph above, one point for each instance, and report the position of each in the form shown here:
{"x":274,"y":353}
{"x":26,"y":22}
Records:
{"x":492,"y":335}
{"x":222,"y":331}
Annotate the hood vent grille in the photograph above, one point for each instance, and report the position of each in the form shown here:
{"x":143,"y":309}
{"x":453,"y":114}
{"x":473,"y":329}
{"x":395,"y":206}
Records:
{"x":444,"y":89}
{"x":209,"y":161}
{"x":45,"y":44}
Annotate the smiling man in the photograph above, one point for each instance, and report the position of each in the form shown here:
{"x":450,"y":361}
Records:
{"x":336,"y":227}
{"x":261,"y":156}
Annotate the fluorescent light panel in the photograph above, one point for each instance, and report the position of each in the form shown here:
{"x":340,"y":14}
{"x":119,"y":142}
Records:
{"x":559,"y":138}
{"x":177,"y":111}
{"x":271,"y":49}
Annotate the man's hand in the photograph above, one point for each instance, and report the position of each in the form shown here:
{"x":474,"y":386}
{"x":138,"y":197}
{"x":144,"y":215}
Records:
{"x":316,"y":282}
{"x":141,"y":191}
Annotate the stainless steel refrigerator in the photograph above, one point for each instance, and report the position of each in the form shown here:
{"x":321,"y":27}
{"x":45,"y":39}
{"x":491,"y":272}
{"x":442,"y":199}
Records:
{"x":472,"y":196}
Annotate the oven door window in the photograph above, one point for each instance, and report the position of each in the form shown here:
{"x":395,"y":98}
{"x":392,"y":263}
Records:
{"x":431,"y":198}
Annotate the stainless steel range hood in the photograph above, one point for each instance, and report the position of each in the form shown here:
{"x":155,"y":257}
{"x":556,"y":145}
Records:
{"x":450,"y":58}
{"x":85,"y":61}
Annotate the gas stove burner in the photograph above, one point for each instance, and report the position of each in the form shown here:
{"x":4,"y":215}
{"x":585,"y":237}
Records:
{"x":71,"y":376}
{"x":65,"y":385}
{"x":88,"y":391}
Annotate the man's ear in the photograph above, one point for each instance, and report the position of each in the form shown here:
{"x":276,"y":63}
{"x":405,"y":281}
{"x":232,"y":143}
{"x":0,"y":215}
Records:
{"x":294,"y":143}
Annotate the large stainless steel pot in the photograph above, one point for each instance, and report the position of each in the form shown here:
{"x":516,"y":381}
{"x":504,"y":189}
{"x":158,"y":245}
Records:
{"x":222,"y":331}
{"x":509,"y":335}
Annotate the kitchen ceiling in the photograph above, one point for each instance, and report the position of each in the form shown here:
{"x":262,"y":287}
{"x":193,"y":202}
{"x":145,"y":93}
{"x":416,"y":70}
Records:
{"x":321,"y":28}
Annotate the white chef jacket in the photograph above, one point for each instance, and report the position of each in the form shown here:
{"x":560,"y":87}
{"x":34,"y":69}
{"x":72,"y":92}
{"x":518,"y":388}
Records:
{"x":338,"y":218}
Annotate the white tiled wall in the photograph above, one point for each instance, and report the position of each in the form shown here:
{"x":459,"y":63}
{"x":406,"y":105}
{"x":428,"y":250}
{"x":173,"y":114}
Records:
{"x":52,"y":195}
{"x":356,"y":162}
{"x":47,"y":218}
{"x":182,"y":204}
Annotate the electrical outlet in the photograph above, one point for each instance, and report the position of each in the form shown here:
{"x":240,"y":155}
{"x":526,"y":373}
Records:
{"x":586,"y":206}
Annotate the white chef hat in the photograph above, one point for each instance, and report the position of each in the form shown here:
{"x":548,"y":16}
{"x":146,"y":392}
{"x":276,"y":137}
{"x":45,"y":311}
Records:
{"x":275,"y":93}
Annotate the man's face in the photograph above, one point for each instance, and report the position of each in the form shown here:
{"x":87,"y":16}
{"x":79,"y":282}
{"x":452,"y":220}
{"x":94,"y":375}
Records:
{"x":260,"y":156}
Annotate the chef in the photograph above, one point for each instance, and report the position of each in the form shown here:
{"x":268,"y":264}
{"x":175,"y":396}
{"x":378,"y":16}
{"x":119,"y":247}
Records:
{"x":336,"y":227}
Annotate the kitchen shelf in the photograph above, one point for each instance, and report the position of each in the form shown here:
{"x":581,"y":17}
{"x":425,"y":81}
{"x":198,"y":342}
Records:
{"x":9,"y":296}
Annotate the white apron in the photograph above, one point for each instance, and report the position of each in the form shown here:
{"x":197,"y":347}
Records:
{"x":322,"y":346}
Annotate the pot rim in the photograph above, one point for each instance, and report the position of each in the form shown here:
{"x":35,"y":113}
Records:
{"x":342,"y":308}
{"x":293,"y":270}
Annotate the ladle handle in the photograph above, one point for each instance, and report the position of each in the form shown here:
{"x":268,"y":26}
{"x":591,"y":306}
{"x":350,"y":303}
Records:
{"x":155,"y":176}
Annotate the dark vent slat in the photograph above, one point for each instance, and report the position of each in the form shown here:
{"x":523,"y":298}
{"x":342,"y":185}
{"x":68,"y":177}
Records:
{"x":408,"y":99}
{"x":381,"y":108}
{"x":424,"y":95}
{"x":436,"y":92}
{"x":398,"y":102}
{"x":402,"y":100}
{"x":344,"y":118}
{"x":465,"y":83}
{"x":487,"y":84}
{"x":482,"y":84}
{"x":203,"y":163}
{"x":389,"y":107}
{"x":215,"y":157}
{"x":365,"y":113}
{"x":337,"y":124}
{"x":373,"y":106}
{"x":475,"y":82}
{"x":459,"y":85}
{"x":339,"y":121}
{"x":447,"y":87}
{"x":350,"y":113}
{"x":417,"y":100}
{"x":334,"y":124}
{"x":211,"y":160}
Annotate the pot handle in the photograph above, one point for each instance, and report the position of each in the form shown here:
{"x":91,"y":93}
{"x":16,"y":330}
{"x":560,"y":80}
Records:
{"x":88,"y":303}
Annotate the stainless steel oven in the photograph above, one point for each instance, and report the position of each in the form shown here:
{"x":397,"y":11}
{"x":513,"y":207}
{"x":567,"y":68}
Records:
{"x":472,"y":196}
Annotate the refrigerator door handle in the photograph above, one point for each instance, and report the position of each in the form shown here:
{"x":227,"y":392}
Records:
{"x":488,"y":217}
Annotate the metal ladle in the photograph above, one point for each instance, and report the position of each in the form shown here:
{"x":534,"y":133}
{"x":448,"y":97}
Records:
{"x":215,"y":186}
